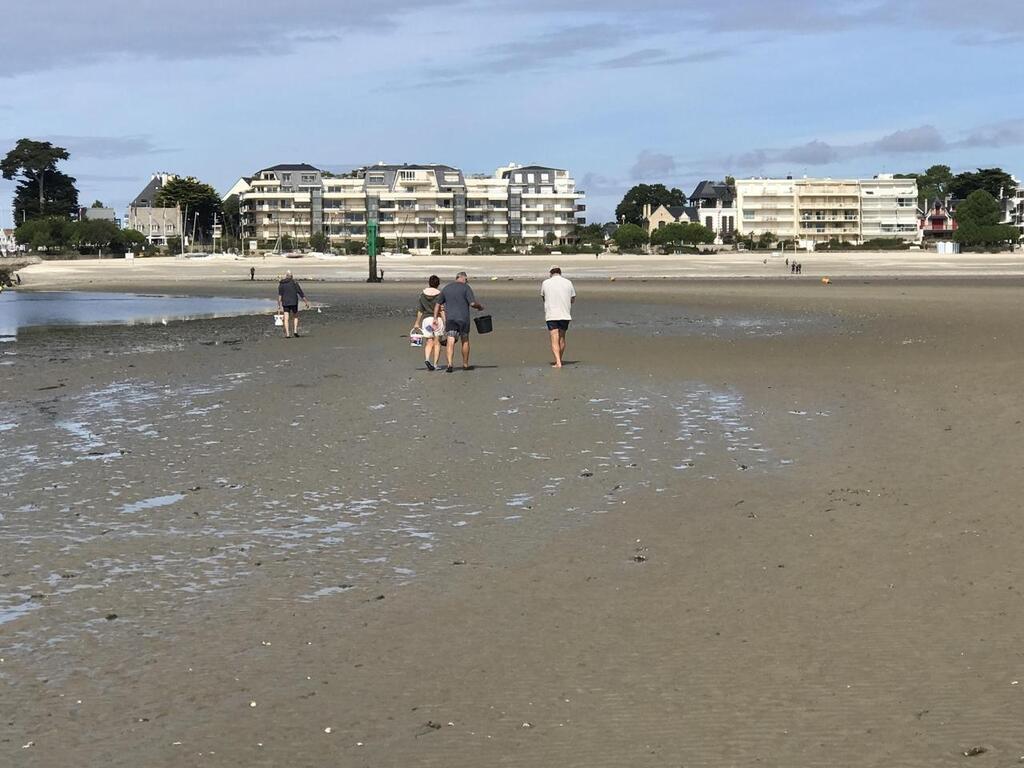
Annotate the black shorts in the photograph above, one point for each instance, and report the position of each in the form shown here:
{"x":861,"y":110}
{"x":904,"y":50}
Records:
{"x":293,"y":308}
{"x":558,"y":325}
{"x":458,"y":328}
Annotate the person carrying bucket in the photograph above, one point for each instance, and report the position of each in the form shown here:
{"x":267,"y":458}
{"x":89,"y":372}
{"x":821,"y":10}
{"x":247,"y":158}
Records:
{"x":456,"y":299}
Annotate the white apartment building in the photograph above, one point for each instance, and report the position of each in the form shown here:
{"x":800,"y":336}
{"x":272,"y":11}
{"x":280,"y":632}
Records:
{"x":818,"y":210}
{"x":1014,"y":209}
{"x":412,"y":204}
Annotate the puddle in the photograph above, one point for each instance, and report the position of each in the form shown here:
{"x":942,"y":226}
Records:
{"x":27,"y":309}
{"x":152,"y":503}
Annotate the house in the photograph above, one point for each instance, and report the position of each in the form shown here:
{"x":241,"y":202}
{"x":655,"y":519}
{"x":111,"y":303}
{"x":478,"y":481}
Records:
{"x":7,"y":242}
{"x":938,"y":222}
{"x":664,"y":215}
{"x":156,"y":224}
{"x":715,"y":203}
{"x":98,"y":213}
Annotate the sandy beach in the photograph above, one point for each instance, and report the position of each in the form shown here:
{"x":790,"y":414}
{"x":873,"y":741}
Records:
{"x":754,"y":522}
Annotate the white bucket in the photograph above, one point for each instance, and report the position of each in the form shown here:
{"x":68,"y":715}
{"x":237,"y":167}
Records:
{"x":279,"y":319}
{"x":415,"y":339}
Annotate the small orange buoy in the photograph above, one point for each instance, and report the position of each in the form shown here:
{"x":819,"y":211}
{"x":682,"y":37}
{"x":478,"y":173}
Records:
{"x":826,"y":281}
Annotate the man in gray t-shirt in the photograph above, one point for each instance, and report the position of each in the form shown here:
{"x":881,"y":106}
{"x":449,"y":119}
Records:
{"x":457,"y":298}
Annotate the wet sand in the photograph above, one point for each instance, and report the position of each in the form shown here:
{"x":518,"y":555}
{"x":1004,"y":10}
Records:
{"x":752,"y":523}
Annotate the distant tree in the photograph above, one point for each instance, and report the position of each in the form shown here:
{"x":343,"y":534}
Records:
{"x":590,"y":233}
{"x":286,"y":242}
{"x":630,"y":237}
{"x":549,"y":238}
{"x":94,"y":235}
{"x":200,"y":199}
{"x":42,"y":190}
{"x":174,"y":244}
{"x":766,"y":239}
{"x":129,"y":240}
{"x":689,"y":233}
{"x":933,"y":184}
{"x":631,"y":209}
{"x":97,"y":204}
{"x":978,"y":220}
{"x":997,"y":182}
{"x":730,"y":181}
{"x":318,"y":242}
{"x":231,"y":216}
{"x":48,"y":233}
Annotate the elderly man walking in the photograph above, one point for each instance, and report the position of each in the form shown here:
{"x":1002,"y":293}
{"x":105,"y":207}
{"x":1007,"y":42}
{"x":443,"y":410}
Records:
{"x":288,"y":294}
{"x":456,"y":299}
{"x":559,"y":295}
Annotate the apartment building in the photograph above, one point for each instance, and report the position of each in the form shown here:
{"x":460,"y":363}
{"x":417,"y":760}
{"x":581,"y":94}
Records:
{"x":818,"y":210}
{"x":1014,"y":208}
{"x":412,"y":204}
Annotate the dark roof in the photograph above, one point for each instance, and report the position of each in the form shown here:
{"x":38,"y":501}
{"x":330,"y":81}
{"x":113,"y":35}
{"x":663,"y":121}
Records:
{"x":147,"y":197}
{"x":292,"y":167}
{"x":682,"y":211}
{"x":507,"y":174}
{"x":713,"y":190}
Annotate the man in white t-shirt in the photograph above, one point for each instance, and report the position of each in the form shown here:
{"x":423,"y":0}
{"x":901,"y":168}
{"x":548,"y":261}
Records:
{"x":559,"y":296}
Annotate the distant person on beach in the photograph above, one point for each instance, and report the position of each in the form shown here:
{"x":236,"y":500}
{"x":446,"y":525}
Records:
{"x":432,"y":327}
{"x":17,"y":277}
{"x":559,"y":295}
{"x":456,"y":299}
{"x":252,"y":273}
{"x":288,"y":294}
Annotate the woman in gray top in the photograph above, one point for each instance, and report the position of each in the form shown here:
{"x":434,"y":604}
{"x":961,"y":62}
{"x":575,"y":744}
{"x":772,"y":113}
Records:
{"x":425,"y":321}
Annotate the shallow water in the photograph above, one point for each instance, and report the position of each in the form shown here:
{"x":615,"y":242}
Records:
{"x":70,"y":308}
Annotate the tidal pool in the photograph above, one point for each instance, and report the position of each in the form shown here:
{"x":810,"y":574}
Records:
{"x":24,"y":309}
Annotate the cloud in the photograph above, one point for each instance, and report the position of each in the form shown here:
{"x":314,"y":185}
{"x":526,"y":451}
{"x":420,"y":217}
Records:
{"x":599,"y":185}
{"x":659,"y":57}
{"x":544,"y":49}
{"x":107,"y":147}
{"x":183,"y":30}
{"x":811,"y":153}
{"x":924,"y":138}
{"x":921,"y":139}
{"x":1008,"y":133}
{"x":652,"y":165}
{"x":189,"y":30}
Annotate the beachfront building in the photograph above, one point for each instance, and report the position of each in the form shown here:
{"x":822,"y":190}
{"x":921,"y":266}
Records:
{"x":715,"y":204}
{"x":888,"y":208}
{"x":1014,"y":208}
{"x":938,"y":222}
{"x":7,"y":242}
{"x":663,"y":215}
{"x":412,"y":205}
{"x":157,"y":225}
{"x":813,"y":211}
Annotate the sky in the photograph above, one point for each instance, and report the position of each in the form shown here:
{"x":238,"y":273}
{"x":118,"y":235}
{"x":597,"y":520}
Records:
{"x":669,"y":91}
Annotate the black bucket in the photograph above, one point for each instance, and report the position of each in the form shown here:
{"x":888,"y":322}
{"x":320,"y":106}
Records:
{"x":483,"y":324}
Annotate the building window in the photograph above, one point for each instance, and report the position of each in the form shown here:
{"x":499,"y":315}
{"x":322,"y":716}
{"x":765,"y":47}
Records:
{"x":407,"y":175}
{"x":286,"y":177}
{"x":375,"y":179}
{"x":519,"y":178}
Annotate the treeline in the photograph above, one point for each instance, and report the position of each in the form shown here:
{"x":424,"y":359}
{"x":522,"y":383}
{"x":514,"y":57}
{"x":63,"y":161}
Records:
{"x":55,"y":234}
